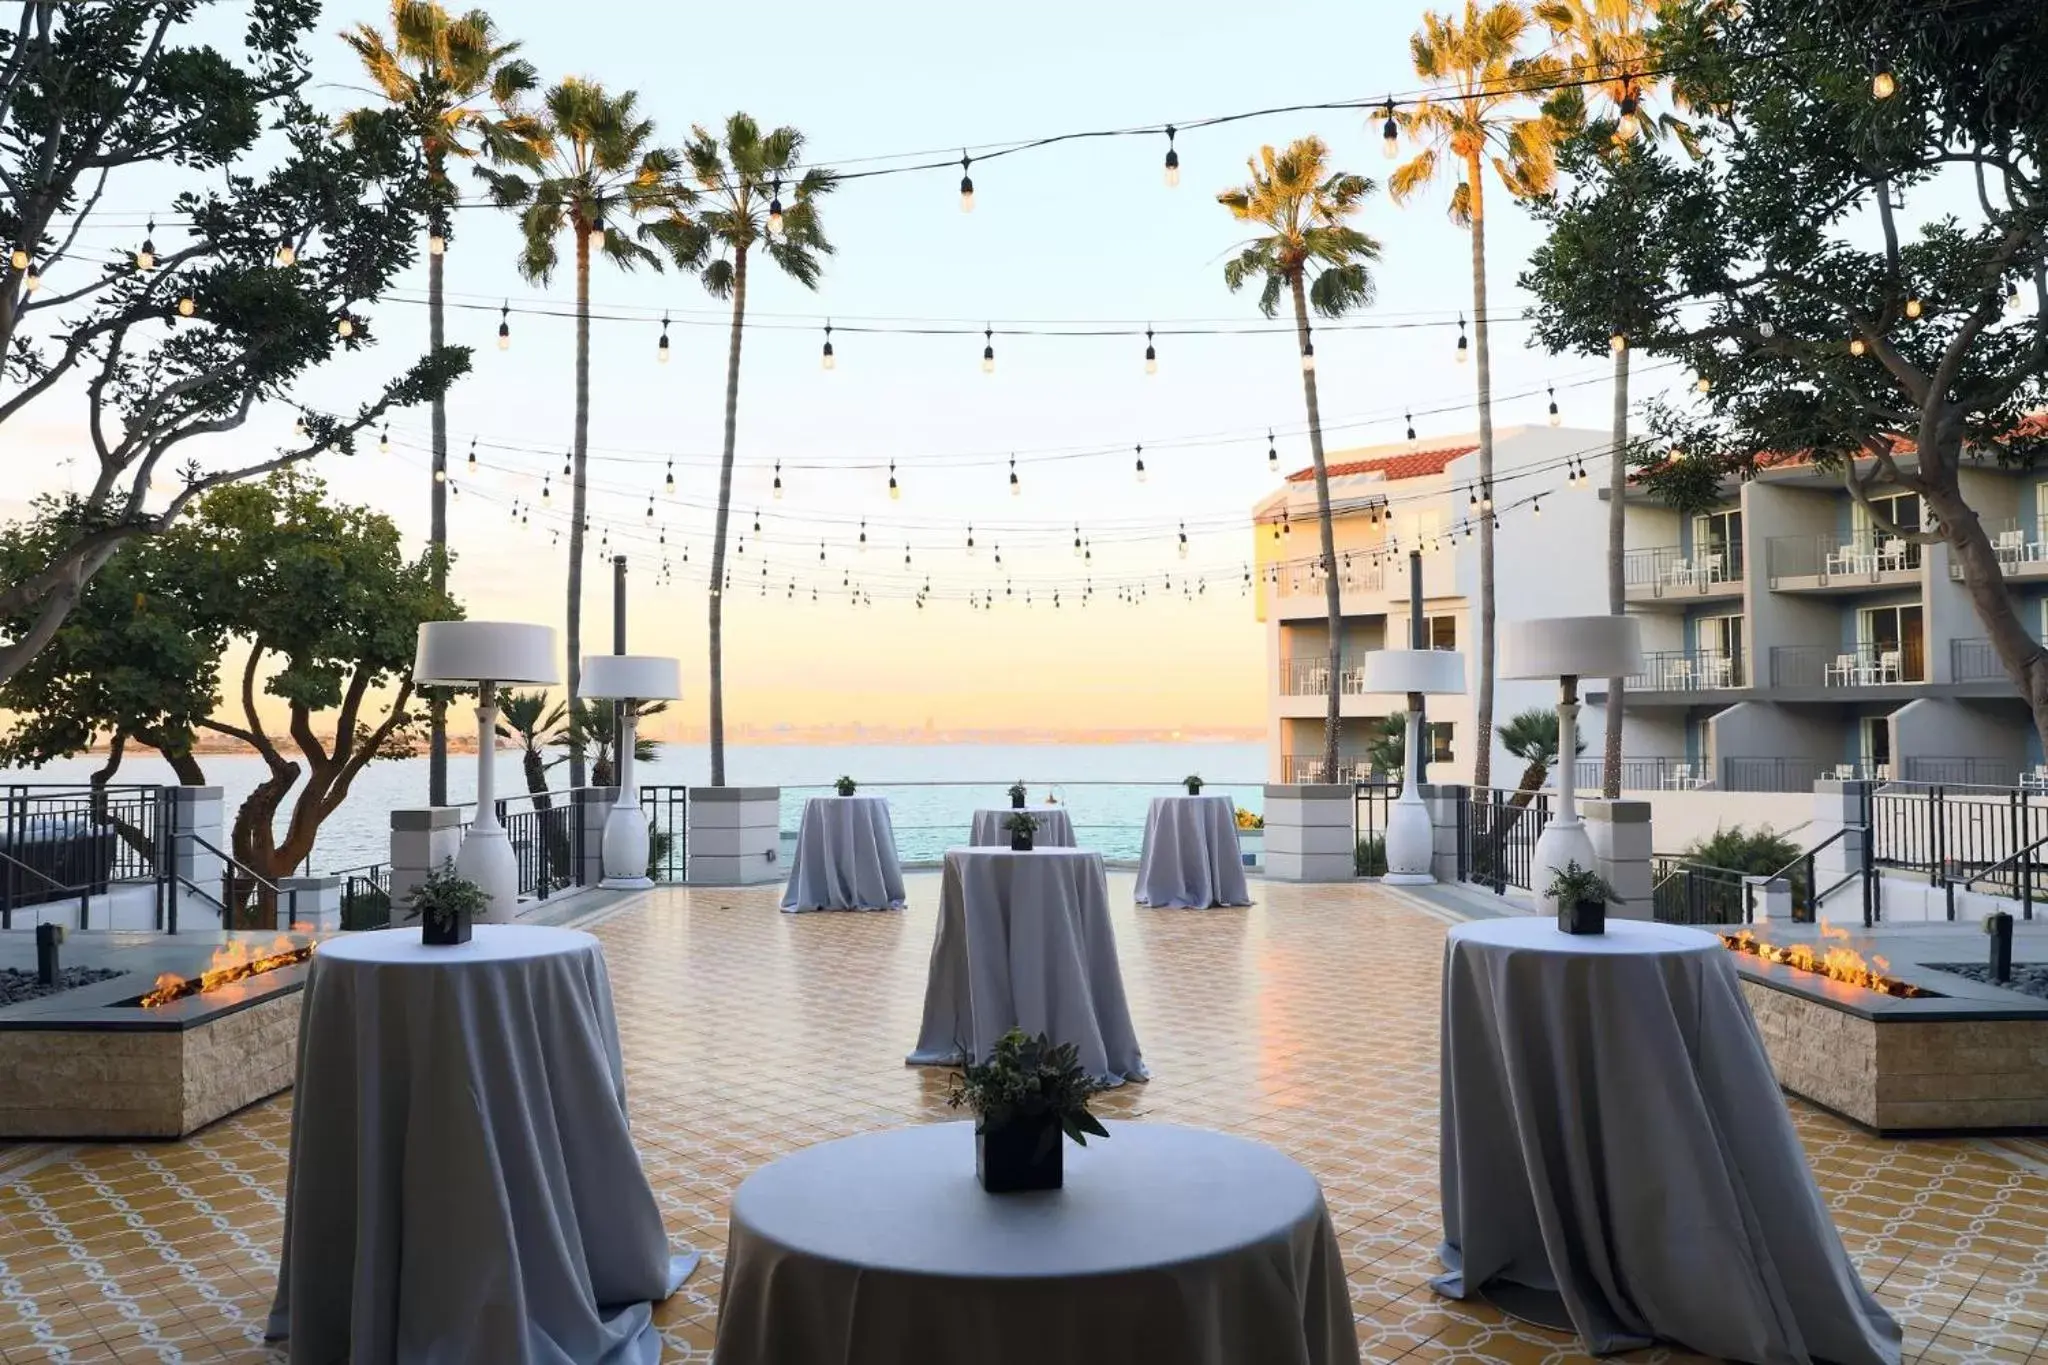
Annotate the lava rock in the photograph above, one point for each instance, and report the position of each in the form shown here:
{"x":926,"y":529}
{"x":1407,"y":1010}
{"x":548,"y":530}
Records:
{"x":17,"y":985}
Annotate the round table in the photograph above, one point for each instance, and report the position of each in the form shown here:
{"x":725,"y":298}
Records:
{"x":1167,"y":1244}
{"x":1024,"y":941}
{"x":1617,"y":1158}
{"x":1055,"y":827}
{"x":845,"y":857}
{"x":1191,"y":858}
{"x":462,"y":1180}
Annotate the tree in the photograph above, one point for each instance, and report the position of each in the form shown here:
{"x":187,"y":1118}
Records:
{"x":1532,"y":737}
{"x":596,"y":172}
{"x":1308,"y":250}
{"x":1824,"y":328}
{"x":455,"y":87}
{"x":595,"y":725}
{"x":1484,"y":117}
{"x":1609,"y":44}
{"x":739,"y":182}
{"x":168,"y":344}
{"x":538,"y":726}
{"x":325,"y":609}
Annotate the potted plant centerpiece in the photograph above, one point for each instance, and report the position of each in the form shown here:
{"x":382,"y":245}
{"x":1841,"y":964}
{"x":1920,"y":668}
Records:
{"x":1024,"y":1097}
{"x":846,"y":786}
{"x":1193,"y":783}
{"x":1017,"y":794}
{"x":446,"y":905}
{"x":1021,"y":826}
{"x":1581,"y":895}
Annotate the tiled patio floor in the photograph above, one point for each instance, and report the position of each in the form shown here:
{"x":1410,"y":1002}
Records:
{"x":1309,"y":1021}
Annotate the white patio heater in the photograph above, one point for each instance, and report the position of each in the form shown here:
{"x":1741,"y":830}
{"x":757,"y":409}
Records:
{"x":1568,"y":648}
{"x":1411,"y":843}
{"x":632,"y":679}
{"x":483,"y":654}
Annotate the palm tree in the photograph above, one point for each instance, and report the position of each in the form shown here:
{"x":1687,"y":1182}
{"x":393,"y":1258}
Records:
{"x":597,"y":173}
{"x":529,"y":718}
{"x":1483,"y":118}
{"x":1608,"y":43}
{"x":1307,"y":248}
{"x":595,"y":724}
{"x":1532,"y":737}
{"x":460,"y":88}
{"x":740,"y":184}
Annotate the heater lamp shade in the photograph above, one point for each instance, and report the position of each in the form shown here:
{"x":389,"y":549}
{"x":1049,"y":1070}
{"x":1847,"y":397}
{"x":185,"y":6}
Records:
{"x":1436,"y":671}
{"x":1572,"y":646}
{"x":454,"y":653}
{"x":642,"y":677}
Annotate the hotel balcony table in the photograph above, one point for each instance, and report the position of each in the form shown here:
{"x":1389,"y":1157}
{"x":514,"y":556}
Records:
{"x":1024,"y":941}
{"x":1055,"y":827}
{"x":1617,"y":1159}
{"x":845,"y":857}
{"x":1166,"y":1244}
{"x":462,"y":1182}
{"x":1191,"y":858}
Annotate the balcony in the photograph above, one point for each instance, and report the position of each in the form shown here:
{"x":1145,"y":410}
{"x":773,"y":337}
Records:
{"x":1690,"y":670}
{"x":1881,"y":665}
{"x":1975,"y":661}
{"x":1671,"y":574}
{"x":1295,"y":580}
{"x":1298,"y":768}
{"x":1311,"y":677}
{"x":1649,"y":774}
{"x":2022,"y":550}
{"x":1841,"y":564}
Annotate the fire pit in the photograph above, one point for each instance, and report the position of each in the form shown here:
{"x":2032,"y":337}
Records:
{"x":106,"y":1061}
{"x":1836,"y":961}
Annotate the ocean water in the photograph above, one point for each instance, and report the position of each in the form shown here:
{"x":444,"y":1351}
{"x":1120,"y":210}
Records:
{"x":933,"y":789}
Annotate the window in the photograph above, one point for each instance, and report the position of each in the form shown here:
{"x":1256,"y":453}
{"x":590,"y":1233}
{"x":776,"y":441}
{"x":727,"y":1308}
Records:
{"x":1718,"y":533}
{"x":1873,"y":532}
{"x":1440,"y":741}
{"x":1892,"y":642}
{"x":1438,"y":632}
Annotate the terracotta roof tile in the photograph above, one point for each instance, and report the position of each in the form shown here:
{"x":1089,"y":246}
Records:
{"x":1414,"y":465}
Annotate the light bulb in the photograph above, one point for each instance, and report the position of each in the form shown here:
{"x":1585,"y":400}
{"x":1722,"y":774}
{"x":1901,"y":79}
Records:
{"x":1390,"y":134}
{"x":1912,"y":308}
{"x":1151,"y":355}
{"x":775,"y":212}
{"x":1141,"y":464}
{"x":1884,"y":85}
{"x":1703,"y":384}
{"x":2012,"y":299}
{"x":1308,"y":356}
{"x":31,"y":281}
{"x":345,"y":325}
{"x":1554,"y":417}
{"x":895,"y":491}
{"x":437,"y":245}
{"x":1464,"y":347}
{"x":441,"y":476}
{"x":1016,"y":489}
{"x":1625,"y":128}
{"x":287,"y":254}
{"x":187,"y":306}
{"x":988,"y":351}
{"x":384,"y":442}
{"x":19,"y":259}
{"x":505,"y":327}
{"x":1856,"y":346}
{"x":597,"y":236}
{"x":661,"y":347}
{"x":777,"y":490}
{"x":1765,"y":330}
{"x":1617,"y":343}
{"x":299,"y":427}
{"x":145,"y":259}
{"x":966,"y":184}
{"x":828,"y":360}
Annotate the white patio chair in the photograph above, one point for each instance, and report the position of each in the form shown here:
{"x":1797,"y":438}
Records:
{"x":1678,"y":573}
{"x":1720,"y":671}
{"x":1882,"y":771}
{"x":1845,"y":772}
{"x":1681,"y":777}
{"x":1841,"y":672}
{"x":1891,"y":666}
{"x":1678,"y":674}
{"x":2011,"y":547}
{"x":1891,"y":555}
{"x":1713,"y":569}
{"x":1841,"y":559}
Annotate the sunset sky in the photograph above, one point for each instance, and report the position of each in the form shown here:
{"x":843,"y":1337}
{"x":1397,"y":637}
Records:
{"x":1084,"y":233}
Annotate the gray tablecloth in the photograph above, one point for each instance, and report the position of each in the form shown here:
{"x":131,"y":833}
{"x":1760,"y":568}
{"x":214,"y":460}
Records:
{"x":462,"y":1185}
{"x":1024,"y":941}
{"x":1616,"y":1151}
{"x":845,"y":857}
{"x":1191,"y":857}
{"x":1168,"y":1246}
{"x":1055,"y":829}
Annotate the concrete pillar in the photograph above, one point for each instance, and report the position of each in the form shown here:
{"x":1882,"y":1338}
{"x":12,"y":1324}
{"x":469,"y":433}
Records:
{"x":1311,"y":832}
{"x":196,"y":813}
{"x":1620,"y":831}
{"x":1446,"y":804}
{"x":314,"y":901}
{"x":421,"y":840}
{"x":593,"y":807}
{"x":1839,"y":806}
{"x":735,"y":836}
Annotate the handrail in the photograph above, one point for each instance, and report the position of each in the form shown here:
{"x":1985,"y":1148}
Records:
{"x":2023,"y":860}
{"x":2000,"y":865}
{"x":39,"y":874}
{"x":83,"y":891}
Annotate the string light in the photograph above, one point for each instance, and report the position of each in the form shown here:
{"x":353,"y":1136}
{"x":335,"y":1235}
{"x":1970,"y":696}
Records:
{"x":757,"y":521}
{"x":1272,"y":453}
{"x":1913,"y":308}
{"x":988,"y":350}
{"x":1486,"y":497}
{"x":472,"y":454}
{"x":1411,"y":427}
{"x":505,"y":326}
{"x":437,"y":243}
{"x":345,"y":325}
{"x":895,"y":491}
{"x":966,"y":183}
{"x":597,"y":236}
{"x":31,"y":281}
{"x":661,"y":347}
{"x":1536,"y":506}
{"x":1308,"y":354}
{"x":775,"y":209}
{"x":828,"y":361}
{"x":863,"y":535}
{"x":970,"y":538}
{"x":1077,"y":540}
{"x":2012,"y":298}
{"x":384,"y":441}
{"x":1883,"y":84}
{"x":1151,"y":355}
{"x":669,"y":480}
{"x":1172,"y":160}
{"x":650,"y":507}
{"x":569,"y":467}
{"x":1617,"y":343}
{"x":1703,"y":384}
{"x":544,"y":487}
{"x":1183,"y":540}
{"x":187,"y":306}
{"x":1016,"y":489}
{"x":287,"y":254}
{"x":18,"y":258}
{"x":776,"y":492}
{"x":1463,"y":344}
{"x":1856,"y":346}
{"x":1390,"y":133}
{"x":1141,"y":464}
{"x":1555,"y":418}
{"x":145,"y":258}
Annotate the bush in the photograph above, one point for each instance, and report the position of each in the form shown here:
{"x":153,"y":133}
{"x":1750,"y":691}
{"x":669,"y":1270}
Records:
{"x":1759,"y":853}
{"x":1369,"y":859}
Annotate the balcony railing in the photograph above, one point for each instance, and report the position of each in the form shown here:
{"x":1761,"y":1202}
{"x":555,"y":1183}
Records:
{"x":1357,"y":571}
{"x":2018,"y":545}
{"x":1966,"y":770}
{"x":1310,"y":677}
{"x":1834,"y":556}
{"x":1672,"y":570}
{"x":1775,"y":774}
{"x":1690,"y":670}
{"x":1865,"y":666}
{"x":1649,"y":774}
{"x":1975,"y":660}
{"x":1299,"y":768}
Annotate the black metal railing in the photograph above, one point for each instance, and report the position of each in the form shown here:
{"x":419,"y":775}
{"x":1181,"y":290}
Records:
{"x":1690,"y":670}
{"x":1673,"y":571}
{"x":547,"y":843}
{"x":1497,"y":838}
{"x":1648,"y":774}
{"x":1975,"y":660}
{"x":78,"y":836}
{"x":1829,"y":557}
{"x":1683,"y":892}
{"x":1860,"y":666}
{"x":1962,"y":770}
{"x":668,"y":824}
{"x":1369,"y":824}
{"x":366,"y":897}
{"x":2015,"y":878}
{"x":1953,"y":833}
{"x":1774,"y":774}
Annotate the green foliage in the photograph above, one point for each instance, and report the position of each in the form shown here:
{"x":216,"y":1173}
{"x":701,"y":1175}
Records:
{"x":594,"y":725}
{"x":846,"y":786}
{"x":443,"y":895}
{"x":1021,"y":822}
{"x":737,"y":179}
{"x":1369,"y":859}
{"x":660,"y":843}
{"x":1575,"y":885}
{"x":1025,"y":1078}
{"x":1017,"y":791}
{"x":1759,"y":853}
{"x":1193,"y":782}
{"x":538,"y":725}
{"x":1302,"y":210}
{"x":1386,"y":746}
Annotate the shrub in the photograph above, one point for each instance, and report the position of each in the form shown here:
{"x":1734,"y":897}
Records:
{"x":1758,"y":853}
{"x":1370,"y":857}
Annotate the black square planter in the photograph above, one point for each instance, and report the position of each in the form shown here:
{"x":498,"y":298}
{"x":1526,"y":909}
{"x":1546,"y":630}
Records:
{"x":1020,"y":841}
{"x":1582,"y":917}
{"x":445,"y":935}
{"x":1016,"y":802}
{"x":1023,"y":1154}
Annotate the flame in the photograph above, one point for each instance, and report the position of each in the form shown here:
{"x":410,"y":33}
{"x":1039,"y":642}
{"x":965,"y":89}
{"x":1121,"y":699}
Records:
{"x":232,"y":961}
{"x":1836,"y":960}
